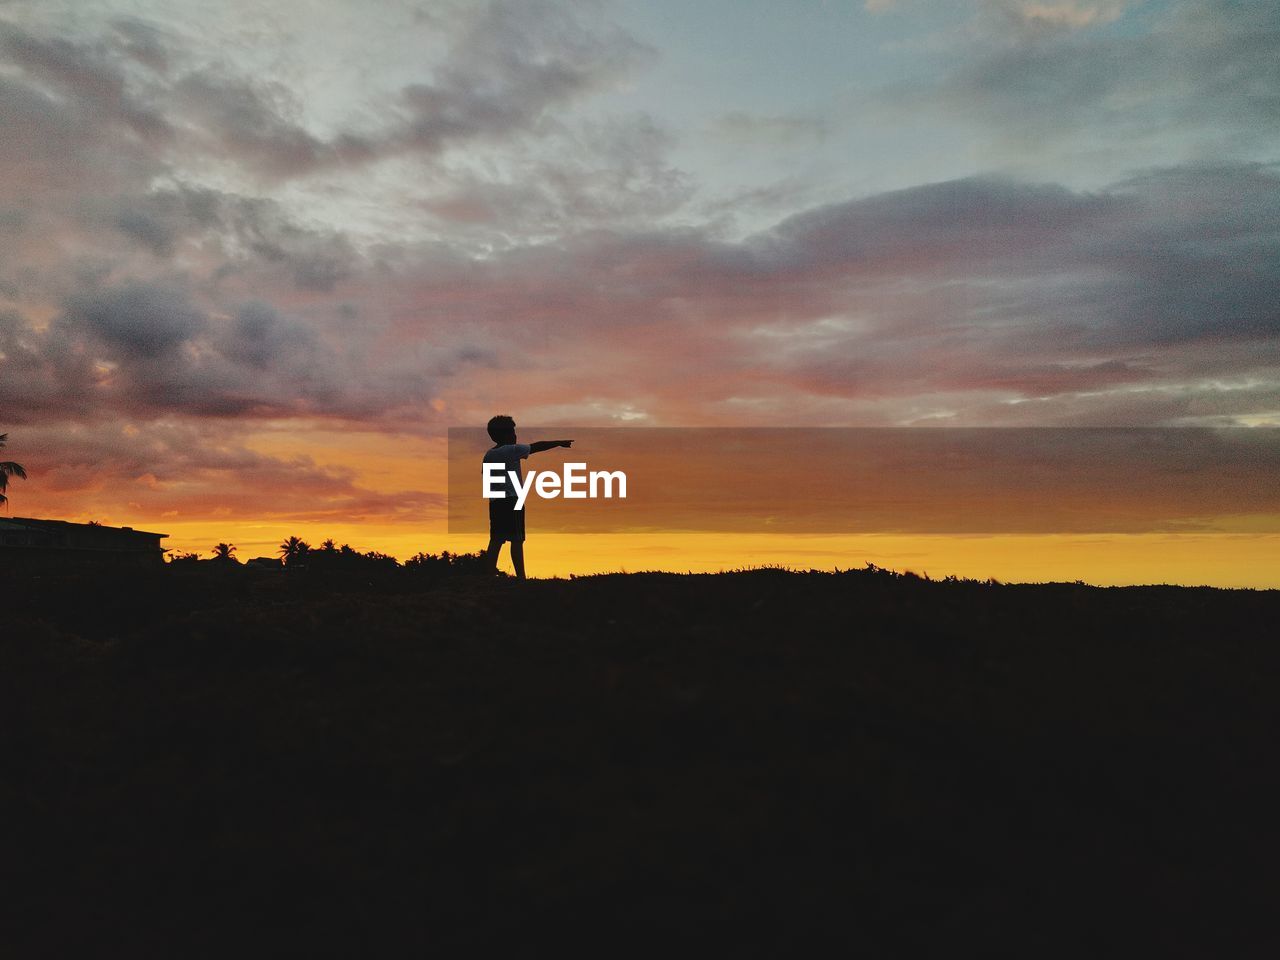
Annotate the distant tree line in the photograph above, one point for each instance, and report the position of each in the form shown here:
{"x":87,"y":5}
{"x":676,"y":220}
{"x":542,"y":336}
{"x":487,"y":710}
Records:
{"x":296,"y":554}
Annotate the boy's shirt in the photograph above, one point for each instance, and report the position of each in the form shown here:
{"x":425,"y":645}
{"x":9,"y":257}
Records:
{"x":510,"y":455}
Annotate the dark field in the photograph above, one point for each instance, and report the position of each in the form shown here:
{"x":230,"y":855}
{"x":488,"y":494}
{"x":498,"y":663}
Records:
{"x":207,"y":762}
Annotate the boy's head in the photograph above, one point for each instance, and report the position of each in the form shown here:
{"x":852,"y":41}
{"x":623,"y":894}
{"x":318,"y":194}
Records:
{"x":502,"y":429}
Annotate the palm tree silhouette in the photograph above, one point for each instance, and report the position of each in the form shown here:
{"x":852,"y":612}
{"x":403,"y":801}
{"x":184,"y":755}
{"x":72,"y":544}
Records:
{"x":223,"y":551}
{"x":293,"y":550}
{"x":8,"y":469}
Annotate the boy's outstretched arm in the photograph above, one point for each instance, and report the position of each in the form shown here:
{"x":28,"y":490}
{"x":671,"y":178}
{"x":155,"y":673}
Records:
{"x":541,"y":445}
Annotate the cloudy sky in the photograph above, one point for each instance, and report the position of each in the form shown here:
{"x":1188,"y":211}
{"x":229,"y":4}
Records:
{"x":255,"y":259}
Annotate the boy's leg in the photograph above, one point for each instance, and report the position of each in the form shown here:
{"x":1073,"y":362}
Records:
{"x":491,"y":554}
{"x":517,"y":557}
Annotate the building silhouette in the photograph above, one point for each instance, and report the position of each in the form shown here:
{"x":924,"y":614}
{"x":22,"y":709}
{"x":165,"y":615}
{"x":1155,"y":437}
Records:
{"x":28,"y":542}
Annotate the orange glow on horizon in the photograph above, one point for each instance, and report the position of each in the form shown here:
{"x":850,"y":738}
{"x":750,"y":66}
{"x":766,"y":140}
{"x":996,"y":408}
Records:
{"x":1219,"y":560}
{"x":258,"y":520}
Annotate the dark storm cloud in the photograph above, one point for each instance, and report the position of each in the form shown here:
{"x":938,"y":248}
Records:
{"x":974,"y":220}
{"x":149,"y":231}
{"x":148,"y":350}
{"x":316,"y":259}
{"x":41,"y":374}
{"x":137,"y":321}
{"x":1200,"y":256}
{"x":260,"y":339}
{"x":1168,"y":255}
{"x":84,"y":72}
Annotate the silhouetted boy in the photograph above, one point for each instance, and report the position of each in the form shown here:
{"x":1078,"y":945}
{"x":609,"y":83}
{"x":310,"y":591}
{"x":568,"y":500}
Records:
{"x":505,"y":521}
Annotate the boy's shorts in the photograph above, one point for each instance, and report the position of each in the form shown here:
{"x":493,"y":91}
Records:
{"x":505,"y":521}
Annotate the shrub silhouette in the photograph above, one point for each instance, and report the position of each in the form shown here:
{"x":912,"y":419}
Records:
{"x":447,"y":564}
{"x":766,"y":758}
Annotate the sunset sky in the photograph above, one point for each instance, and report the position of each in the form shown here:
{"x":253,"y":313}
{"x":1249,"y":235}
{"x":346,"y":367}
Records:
{"x":255,"y":259}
